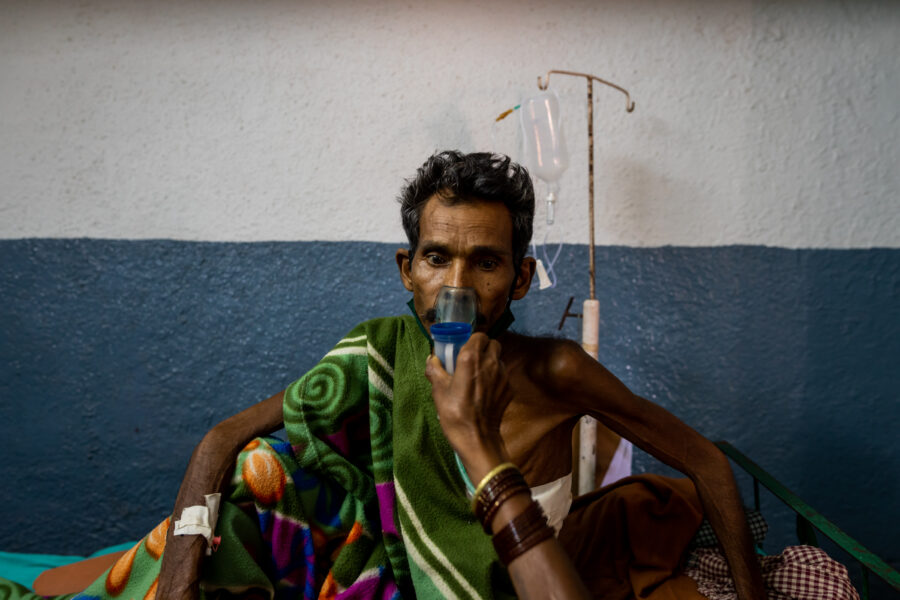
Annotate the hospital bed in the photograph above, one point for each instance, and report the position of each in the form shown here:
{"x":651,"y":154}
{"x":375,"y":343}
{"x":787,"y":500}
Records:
{"x":810,"y":524}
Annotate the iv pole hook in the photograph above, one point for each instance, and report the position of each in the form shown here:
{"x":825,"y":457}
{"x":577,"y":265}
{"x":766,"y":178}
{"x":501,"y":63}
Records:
{"x":629,"y":103}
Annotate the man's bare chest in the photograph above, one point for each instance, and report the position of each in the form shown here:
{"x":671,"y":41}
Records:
{"x":537,"y":431}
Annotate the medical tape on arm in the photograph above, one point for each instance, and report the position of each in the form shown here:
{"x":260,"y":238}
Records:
{"x":200,"y":520}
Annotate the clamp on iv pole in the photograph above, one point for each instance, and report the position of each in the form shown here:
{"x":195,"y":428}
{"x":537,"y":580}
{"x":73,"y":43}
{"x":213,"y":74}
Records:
{"x":590,"y":330}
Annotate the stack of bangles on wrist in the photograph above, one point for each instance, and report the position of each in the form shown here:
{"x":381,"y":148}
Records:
{"x":522,"y":533}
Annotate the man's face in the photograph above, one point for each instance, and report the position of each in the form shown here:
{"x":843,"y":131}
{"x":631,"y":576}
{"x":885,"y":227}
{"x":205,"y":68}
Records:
{"x":468,"y":244}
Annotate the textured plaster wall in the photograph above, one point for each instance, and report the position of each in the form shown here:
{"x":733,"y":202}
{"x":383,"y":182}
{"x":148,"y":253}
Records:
{"x":756,"y":122}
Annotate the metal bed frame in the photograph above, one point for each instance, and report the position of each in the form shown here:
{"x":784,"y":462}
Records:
{"x":809,"y":521}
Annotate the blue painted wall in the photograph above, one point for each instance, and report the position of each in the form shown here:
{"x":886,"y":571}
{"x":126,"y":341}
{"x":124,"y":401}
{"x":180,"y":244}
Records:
{"x":116,"y":357}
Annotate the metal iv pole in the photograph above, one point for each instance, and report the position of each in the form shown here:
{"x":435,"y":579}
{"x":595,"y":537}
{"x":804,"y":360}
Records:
{"x":590,"y":326}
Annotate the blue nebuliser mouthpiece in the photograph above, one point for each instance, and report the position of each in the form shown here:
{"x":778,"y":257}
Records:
{"x":448,"y":339}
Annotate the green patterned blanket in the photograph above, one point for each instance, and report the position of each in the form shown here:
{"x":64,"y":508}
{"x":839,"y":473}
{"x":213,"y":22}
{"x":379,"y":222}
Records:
{"x":364,"y":500}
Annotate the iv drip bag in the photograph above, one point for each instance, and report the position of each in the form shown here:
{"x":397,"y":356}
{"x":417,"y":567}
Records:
{"x":545,"y":148}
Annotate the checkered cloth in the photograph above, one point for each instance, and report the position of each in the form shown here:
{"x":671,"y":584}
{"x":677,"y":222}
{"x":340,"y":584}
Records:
{"x":799,"y":573}
{"x":706,"y":537}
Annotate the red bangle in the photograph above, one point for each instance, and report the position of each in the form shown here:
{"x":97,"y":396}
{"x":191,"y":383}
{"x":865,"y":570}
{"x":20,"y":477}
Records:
{"x":502,"y":497}
{"x":490,"y":492}
{"x":528,"y":529}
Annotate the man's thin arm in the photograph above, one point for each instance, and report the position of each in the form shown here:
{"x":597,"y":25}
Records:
{"x":544,"y":571}
{"x":470,"y":406}
{"x":209,"y":471}
{"x":723,"y":509}
{"x":662,"y":435}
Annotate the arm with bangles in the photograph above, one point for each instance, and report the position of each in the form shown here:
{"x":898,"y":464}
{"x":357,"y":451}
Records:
{"x":209,"y":471}
{"x":592,"y":390}
{"x":470,"y":405}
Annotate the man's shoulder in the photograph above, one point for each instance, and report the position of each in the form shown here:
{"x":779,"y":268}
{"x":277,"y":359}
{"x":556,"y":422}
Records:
{"x":537,"y":343}
{"x":551,"y":359}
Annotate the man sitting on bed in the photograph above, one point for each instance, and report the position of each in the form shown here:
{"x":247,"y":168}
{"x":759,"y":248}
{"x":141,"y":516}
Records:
{"x":379,"y":503}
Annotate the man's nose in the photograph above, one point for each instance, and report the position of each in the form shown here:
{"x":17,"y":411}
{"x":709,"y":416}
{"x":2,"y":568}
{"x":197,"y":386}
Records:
{"x":458,"y":275}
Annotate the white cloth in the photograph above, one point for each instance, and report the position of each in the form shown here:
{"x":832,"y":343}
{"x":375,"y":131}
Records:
{"x":556,"y":499}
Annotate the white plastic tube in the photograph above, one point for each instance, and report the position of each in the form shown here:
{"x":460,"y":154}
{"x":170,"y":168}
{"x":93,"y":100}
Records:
{"x":620,"y":463}
{"x":587,"y":427}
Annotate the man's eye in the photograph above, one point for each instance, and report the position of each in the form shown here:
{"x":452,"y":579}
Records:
{"x":487,"y":264}
{"x":435,"y":259}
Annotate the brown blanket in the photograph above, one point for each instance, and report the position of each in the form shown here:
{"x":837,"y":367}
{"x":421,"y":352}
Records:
{"x":628,"y":540}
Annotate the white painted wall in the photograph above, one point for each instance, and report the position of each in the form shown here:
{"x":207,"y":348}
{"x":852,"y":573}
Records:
{"x":756,"y":123}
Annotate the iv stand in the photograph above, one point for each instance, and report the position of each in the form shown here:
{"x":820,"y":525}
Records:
{"x":590,"y":326}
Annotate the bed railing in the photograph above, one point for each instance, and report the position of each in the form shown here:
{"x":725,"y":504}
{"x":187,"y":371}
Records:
{"x":809,"y":521}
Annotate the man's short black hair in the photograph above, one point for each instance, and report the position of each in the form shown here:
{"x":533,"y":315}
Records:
{"x":458,"y":177}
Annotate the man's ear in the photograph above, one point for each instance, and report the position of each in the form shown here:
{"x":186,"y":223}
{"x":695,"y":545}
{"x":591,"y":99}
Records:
{"x":402,"y":257}
{"x":523,"y":278}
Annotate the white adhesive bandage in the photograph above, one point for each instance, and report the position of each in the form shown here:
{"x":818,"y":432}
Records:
{"x":200,"y":520}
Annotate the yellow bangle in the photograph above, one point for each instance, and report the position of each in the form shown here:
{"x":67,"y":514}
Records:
{"x":488,"y":477}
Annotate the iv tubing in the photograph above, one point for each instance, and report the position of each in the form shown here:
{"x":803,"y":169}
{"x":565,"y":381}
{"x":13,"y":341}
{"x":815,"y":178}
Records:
{"x":548,"y":262}
{"x":507,"y":112}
